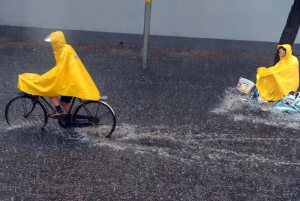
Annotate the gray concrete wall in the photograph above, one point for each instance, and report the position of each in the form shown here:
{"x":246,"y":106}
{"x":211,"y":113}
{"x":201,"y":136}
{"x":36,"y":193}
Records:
{"x":253,"y":20}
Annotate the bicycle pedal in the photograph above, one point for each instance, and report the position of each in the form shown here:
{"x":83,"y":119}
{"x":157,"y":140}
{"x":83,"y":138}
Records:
{"x":56,"y":115}
{"x":53,"y":117}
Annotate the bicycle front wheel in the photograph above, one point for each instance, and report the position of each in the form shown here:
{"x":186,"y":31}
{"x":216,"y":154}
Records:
{"x":97,"y":116}
{"x":25,"y":111}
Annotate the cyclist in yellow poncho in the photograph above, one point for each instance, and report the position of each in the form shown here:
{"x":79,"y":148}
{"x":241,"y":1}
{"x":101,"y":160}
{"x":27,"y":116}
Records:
{"x":275,"y":82}
{"x":69,"y":78}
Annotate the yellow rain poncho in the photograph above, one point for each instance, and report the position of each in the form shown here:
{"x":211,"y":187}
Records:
{"x":275,"y":82}
{"x":68,"y":78}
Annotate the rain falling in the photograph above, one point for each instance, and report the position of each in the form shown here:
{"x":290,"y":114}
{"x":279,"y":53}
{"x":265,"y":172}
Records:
{"x":183,"y":130}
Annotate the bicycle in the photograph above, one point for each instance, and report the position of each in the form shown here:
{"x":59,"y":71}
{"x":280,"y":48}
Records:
{"x":33,"y":111}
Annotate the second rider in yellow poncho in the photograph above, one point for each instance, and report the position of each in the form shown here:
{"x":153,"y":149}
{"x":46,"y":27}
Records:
{"x":275,"y":82}
{"x":69,"y":78}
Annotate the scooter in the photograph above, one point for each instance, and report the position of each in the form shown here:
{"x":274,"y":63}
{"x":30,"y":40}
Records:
{"x":289,"y":104}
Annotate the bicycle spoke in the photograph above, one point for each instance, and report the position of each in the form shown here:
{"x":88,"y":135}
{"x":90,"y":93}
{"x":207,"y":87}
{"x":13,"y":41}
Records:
{"x":87,"y":111}
{"x":104,"y":115}
{"x":97,"y":110}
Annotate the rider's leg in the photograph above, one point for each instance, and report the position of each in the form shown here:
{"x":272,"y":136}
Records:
{"x":65,"y":102}
{"x":66,"y":106}
{"x":55,"y":102}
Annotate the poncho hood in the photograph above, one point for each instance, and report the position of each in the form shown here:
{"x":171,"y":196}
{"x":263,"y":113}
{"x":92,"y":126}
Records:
{"x":57,"y":40}
{"x":288,"y":52}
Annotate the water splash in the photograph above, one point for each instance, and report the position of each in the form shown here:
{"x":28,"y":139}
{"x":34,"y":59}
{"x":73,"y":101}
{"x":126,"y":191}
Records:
{"x":187,"y":144}
{"x":234,"y":100}
{"x":240,"y":108}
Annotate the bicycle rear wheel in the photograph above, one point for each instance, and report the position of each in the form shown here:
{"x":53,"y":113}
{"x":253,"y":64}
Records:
{"x":97,"y":116}
{"x":25,"y":111}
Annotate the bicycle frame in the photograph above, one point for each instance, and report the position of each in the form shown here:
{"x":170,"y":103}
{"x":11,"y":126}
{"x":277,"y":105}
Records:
{"x":86,"y":120}
{"x":49,"y":105}
{"x":46,"y":104}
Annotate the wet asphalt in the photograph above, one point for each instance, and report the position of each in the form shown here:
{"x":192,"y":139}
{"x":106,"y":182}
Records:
{"x":170,"y":142}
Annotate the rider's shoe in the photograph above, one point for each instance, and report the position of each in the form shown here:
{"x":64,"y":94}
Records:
{"x":56,"y":114}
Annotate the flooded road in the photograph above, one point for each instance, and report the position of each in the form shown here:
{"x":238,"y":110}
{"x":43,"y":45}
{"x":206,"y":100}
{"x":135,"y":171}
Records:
{"x":181,"y":133}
